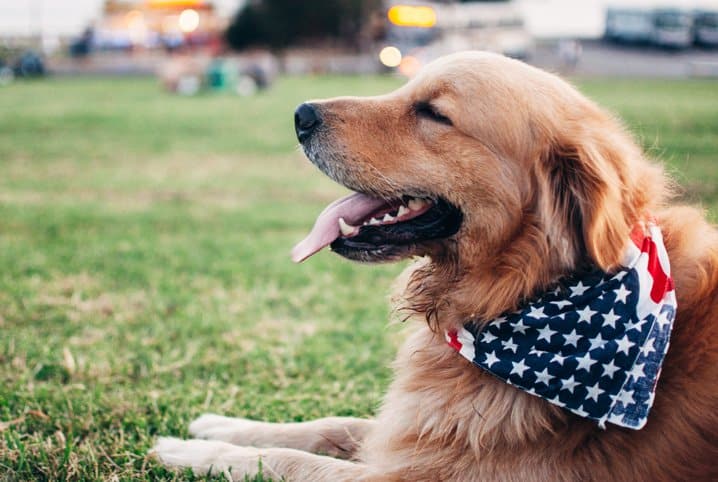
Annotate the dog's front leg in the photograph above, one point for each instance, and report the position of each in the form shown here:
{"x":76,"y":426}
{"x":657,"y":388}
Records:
{"x":335,"y":436}
{"x":211,"y":457}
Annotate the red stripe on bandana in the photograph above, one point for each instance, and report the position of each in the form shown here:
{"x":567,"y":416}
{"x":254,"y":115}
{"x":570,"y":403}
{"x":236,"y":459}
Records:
{"x":662,"y":283}
{"x":453,"y":340}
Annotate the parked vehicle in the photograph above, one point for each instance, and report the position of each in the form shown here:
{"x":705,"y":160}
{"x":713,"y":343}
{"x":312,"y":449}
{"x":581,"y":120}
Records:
{"x":662,"y":27}
{"x":705,"y":28}
{"x":672,"y":28}
{"x":628,"y":25}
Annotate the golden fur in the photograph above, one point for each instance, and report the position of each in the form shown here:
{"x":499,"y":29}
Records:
{"x":548,"y":182}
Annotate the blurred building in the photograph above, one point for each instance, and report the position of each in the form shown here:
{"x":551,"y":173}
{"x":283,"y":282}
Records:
{"x":150,"y":24}
{"x":50,"y":24}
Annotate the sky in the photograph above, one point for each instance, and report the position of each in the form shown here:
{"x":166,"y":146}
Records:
{"x":544,"y":17}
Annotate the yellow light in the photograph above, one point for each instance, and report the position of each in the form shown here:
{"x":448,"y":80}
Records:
{"x":188,"y":20}
{"x":412,"y":16}
{"x":175,"y":4}
{"x":390,"y":56}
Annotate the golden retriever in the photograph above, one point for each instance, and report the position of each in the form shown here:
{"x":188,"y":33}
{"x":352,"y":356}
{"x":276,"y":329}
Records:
{"x":505,"y":180}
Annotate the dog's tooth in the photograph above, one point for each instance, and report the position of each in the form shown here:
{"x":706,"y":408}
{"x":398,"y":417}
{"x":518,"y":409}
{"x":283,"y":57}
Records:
{"x":388,"y":217}
{"x":374,"y":222}
{"x":402,"y":211}
{"x":416,"y":204}
{"x":346,"y":229}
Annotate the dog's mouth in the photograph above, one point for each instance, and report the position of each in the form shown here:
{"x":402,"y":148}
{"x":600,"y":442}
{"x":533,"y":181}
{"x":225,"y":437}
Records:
{"x":365,"y":228}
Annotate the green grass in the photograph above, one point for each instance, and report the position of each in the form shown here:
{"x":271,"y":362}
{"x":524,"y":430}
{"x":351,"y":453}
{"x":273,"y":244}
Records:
{"x":144,"y":269}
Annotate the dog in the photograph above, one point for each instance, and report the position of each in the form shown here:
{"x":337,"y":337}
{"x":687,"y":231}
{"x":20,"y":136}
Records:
{"x":506,"y":183}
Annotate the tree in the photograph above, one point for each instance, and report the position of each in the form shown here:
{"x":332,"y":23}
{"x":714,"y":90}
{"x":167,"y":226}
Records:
{"x":280,"y":23}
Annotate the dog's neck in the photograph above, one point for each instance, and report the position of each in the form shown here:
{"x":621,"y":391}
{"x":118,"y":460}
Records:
{"x":621,"y":320}
{"x":447,"y":295}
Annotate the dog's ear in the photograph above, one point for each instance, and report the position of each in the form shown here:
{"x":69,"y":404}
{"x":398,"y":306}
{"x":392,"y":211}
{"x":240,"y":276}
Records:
{"x":589,"y":182}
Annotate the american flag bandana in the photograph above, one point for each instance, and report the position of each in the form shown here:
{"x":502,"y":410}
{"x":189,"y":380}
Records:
{"x":594,"y":345}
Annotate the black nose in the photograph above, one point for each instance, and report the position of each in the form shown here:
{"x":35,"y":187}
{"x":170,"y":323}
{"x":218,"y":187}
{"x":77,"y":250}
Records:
{"x":306,"y":121}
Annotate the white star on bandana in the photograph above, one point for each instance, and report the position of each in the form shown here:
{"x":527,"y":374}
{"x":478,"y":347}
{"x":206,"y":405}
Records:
{"x":594,"y":345}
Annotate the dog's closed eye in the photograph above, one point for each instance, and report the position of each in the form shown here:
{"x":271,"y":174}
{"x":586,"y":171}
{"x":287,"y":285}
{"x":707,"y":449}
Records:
{"x":427,"y":111}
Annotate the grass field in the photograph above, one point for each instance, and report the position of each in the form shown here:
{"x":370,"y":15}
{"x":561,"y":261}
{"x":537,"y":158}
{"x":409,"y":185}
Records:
{"x":144,"y":268}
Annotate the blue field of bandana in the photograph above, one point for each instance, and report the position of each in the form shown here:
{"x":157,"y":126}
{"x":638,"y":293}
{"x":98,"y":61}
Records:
{"x":581,"y":347}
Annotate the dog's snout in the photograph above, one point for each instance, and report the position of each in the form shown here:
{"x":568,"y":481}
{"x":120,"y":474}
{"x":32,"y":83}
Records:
{"x":306,"y":121}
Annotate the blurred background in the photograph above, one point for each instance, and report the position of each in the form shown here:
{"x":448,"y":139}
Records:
{"x":151,"y":188}
{"x":666,"y":38}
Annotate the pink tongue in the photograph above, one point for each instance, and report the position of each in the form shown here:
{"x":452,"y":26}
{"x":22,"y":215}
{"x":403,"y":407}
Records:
{"x":353,"y":208}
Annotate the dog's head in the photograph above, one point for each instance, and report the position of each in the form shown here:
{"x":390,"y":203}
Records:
{"x":499,"y":172}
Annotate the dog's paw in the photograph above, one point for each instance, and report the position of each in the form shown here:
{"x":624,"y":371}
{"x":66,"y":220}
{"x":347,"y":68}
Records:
{"x":208,"y":457}
{"x":226,"y":429}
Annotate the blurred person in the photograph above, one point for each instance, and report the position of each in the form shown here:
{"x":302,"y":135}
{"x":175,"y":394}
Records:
{"x":569,"y":51}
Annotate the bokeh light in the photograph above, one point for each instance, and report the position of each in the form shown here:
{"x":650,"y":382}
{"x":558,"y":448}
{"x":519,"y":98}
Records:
{"x":135,"y":20}
{"x":412,"y":16}
{"x":136,"y":27}
{"x":409,"y":66}
{"x":189,"y":20}
{"x":390,"y":56}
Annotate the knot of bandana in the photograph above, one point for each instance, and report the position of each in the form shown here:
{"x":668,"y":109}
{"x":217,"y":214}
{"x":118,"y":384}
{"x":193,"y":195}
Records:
{"x":594,"y":345}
